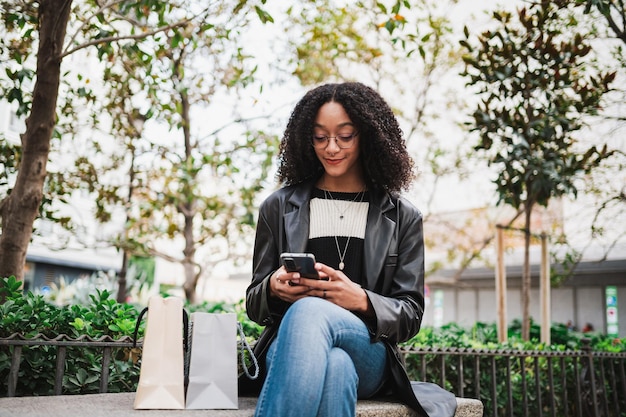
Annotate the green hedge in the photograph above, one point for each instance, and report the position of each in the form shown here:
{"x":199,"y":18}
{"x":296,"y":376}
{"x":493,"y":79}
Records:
{"x":30,"y":314}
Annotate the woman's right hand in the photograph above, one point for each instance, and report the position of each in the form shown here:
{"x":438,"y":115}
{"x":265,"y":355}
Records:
{"x":285,"y":285}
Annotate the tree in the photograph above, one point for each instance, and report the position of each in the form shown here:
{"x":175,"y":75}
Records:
{"x":536,"y":88}
{"x":46,"y":23}
{"x":195,"y":186}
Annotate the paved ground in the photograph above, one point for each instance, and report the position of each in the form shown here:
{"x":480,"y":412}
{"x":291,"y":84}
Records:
{"x":121,"y":405}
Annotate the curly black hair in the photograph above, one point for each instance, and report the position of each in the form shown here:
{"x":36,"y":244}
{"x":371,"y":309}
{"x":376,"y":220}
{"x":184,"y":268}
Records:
{"x":386,"y":162}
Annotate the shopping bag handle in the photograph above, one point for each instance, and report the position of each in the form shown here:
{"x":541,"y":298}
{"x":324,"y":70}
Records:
{"x":245,"y":346}
{"x":185,"y":328}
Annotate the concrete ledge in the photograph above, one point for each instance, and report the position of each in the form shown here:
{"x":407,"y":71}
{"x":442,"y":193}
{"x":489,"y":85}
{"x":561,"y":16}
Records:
{"x":121,"y":405}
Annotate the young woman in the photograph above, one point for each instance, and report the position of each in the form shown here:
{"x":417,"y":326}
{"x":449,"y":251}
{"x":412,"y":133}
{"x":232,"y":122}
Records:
{"x":331,"y":341}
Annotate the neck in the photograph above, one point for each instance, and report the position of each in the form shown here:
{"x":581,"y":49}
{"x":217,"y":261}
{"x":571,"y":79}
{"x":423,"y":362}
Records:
{"x":341,"y":186}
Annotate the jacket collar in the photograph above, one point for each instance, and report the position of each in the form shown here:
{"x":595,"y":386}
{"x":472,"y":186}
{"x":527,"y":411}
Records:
{"x":379,"y":232}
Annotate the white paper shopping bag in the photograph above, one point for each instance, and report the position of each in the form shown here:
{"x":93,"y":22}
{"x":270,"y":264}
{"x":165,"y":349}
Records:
{"x":213,"y":362}
{"x":161,"y":378}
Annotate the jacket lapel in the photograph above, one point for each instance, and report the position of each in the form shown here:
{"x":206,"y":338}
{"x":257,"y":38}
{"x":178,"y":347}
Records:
{"x":297,"y":219}
{"x":378,"y":236}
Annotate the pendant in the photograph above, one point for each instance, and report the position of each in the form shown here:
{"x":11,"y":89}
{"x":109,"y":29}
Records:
{"x":341,"y":265}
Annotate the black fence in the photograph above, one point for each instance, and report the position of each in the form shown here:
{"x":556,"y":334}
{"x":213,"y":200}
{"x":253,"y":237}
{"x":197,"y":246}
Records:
{"x":510,"y":383}
{"x":50,"y":365}
{"x":516,"y":383}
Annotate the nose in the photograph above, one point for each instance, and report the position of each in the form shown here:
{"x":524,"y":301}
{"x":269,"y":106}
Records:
{"x":332,"y":146}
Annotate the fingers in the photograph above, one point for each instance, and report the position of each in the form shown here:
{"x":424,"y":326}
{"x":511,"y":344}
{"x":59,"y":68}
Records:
{"x":337,"y":288}
{"x":330,"y":273}
{"x":282,"y":277}
{"x":332,"y":286}
{"x":286,"y":285}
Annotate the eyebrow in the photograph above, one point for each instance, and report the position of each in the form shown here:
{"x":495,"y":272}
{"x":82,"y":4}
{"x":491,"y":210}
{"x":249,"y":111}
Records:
{"x":341,"y":125}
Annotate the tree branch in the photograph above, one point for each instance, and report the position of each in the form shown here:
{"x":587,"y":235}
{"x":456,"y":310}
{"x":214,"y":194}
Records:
{"x":620,"y":33}
{"x":163,"y":255}
{"x":100,"y":10}
{"x":137,"y":36}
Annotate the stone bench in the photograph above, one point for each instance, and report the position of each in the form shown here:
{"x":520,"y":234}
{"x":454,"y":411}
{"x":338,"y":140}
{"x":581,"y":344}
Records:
{"x":121,"y":405}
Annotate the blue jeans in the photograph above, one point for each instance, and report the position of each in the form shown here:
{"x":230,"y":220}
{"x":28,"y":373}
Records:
{"x":321,"y":361}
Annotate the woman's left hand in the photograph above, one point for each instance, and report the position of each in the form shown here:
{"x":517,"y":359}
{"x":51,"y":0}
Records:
{"x":338,"y":289}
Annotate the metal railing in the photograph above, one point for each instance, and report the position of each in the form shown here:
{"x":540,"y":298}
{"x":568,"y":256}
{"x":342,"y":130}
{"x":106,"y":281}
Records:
{"x":510,"y":383}
{"x":516,"y":383}
{"x":16,"y":342}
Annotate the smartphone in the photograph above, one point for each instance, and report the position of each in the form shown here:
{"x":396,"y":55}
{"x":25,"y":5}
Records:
{"x":304,"y":263}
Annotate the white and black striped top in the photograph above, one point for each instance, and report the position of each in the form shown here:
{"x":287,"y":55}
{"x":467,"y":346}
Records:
{"x":343,"y":216}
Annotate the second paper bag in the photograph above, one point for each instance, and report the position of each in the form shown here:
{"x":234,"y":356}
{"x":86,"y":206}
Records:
{"x":213,"y":362}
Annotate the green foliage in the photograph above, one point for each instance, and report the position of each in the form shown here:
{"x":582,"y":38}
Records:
{"x":10,"y":155}
{"x":536,"y":85}
{"x":30,"y":315}
{"x":485,"y":336}
{"x":328,"y":40}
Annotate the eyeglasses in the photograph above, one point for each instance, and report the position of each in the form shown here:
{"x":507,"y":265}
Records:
{"x":343,"y":141}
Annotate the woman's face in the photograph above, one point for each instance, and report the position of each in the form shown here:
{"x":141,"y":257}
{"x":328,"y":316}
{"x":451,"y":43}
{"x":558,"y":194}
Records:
{"x":339,"y":154}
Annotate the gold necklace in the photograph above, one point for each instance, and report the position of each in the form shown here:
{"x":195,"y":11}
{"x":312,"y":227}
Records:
{"x":342,"y":255}
{"x":328,"y":195}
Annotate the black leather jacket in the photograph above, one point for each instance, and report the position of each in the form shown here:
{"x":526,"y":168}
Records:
{"x":393,"y":267}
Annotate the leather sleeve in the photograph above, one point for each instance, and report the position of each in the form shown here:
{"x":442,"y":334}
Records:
{"x":399,"y":307}
{"x":259,"y":306}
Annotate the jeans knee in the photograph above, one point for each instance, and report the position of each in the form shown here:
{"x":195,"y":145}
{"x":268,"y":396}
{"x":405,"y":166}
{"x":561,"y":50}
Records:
{"x":307,"y":311}
{"x":341,"y":369}
{"x":308,"y":305}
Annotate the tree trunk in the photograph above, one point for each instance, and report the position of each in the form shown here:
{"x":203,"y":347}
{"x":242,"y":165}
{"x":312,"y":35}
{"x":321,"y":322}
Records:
{"x":121,"y":280}
{"x":188,"y":286}
{"x":188,"y":208}
{"x":20,"y":208}
{"x":189,"y":264}
{"x":526,"y":275}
